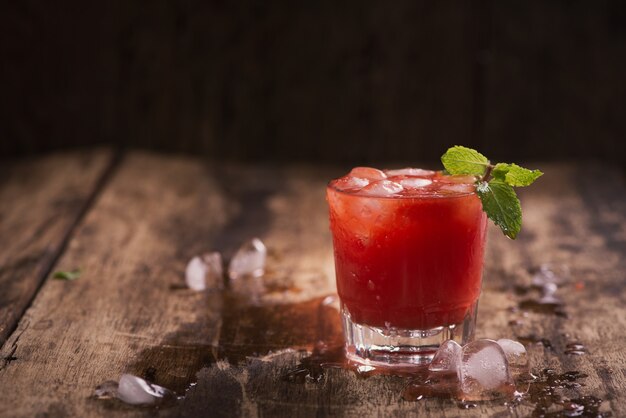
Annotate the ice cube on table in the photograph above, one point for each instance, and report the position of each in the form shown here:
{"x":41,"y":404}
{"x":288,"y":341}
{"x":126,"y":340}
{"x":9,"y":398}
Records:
{"x":106,"y":390}
{"x":515,"y":353}
{"x":548,"y":298}
{"x":414,"y":182}
{"x":365,"y":368}
{"x":382,"y":188}
{"x":249,"y":260}
{"x":413,"y":172}
{"x":484,"y":371}
{"x":351,"y":183}
{"x":136,"y":391}
{"x":204,"y":272}
{"x":447,"y":358}
{"x":550,"y":273}
{"x":548,"y":290}
{"x":367,"y":173}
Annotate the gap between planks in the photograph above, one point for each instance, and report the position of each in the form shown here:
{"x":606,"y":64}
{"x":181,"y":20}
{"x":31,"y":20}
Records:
{"x":49,"y":261}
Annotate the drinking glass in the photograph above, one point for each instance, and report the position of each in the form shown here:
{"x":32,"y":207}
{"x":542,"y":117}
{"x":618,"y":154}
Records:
{"x":408,"y":266}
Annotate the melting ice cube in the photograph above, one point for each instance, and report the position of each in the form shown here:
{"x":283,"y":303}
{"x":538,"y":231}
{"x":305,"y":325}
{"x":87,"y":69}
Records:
{"x":332,"y":301}
{"x":106,"y":390}
{"x":484,"y":370}
{"x":416,"y":172}
{"x":351,"y":183}
{"x":547,"y":279}
{"x":515,"y":353}
{"x":457,"y":187}
{"x":365,"y":368}
{"x":249,"y":260}
{"x":367,"y":173}
{"x":447,"y":358}
{"x":136,"y":391}
{"x":415,"y":182}
{"x":204,"y":272}
{"x":382,"y":188}
{"x":547,"y":295}
{"x":550,"y":273}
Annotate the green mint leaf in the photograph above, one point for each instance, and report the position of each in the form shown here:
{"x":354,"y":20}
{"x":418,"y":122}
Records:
{"x":495,"y":188}
{"x":515,"y":175}
{"x":67,"y":275}
{"x":501,"y":205}
{"x":499,"y":171}
{"x":463,"y":160}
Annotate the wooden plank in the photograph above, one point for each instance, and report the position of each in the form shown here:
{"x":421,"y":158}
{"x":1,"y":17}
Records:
{"x":128,"y":312}
{"x":41,"y":199}
{"x":570,"y":220}
{"x":559,"y":229}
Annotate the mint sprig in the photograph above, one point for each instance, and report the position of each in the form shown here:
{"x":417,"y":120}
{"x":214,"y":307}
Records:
{"x":462,"y":160}
{"x":515,"y":175}
{"x":494,"y":185}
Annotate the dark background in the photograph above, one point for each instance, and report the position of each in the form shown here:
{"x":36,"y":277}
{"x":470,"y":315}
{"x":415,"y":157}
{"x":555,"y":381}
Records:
{"x":316,"y":81}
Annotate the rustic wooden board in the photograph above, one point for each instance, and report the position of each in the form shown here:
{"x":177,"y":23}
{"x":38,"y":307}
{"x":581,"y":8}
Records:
{"x":569,"y":220}
{"x":128,"y":310}
{"x":128,"y":313}
{"x":41,"y":200}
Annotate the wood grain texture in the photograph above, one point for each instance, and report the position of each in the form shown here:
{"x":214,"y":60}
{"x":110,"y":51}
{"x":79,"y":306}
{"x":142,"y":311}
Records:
{"x":40,"y":202}
{"x":133,"y":246}
{"x":128,"y":312}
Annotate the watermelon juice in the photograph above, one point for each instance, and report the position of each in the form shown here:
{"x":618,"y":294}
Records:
{"x":409,"y":248}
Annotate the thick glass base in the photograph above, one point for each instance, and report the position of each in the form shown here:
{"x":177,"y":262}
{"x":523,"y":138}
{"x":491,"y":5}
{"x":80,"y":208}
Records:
{"x":402,"y":347}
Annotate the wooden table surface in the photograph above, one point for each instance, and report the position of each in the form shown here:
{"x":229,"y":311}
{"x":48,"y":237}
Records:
{"x":131,"y":222}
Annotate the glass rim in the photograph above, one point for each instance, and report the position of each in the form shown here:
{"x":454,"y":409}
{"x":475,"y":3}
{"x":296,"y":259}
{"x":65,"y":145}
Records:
{"x":331,"y":186}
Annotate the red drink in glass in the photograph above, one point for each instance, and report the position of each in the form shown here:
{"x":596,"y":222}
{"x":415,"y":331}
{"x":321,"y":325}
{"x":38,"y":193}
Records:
{"x":409,"y":248}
